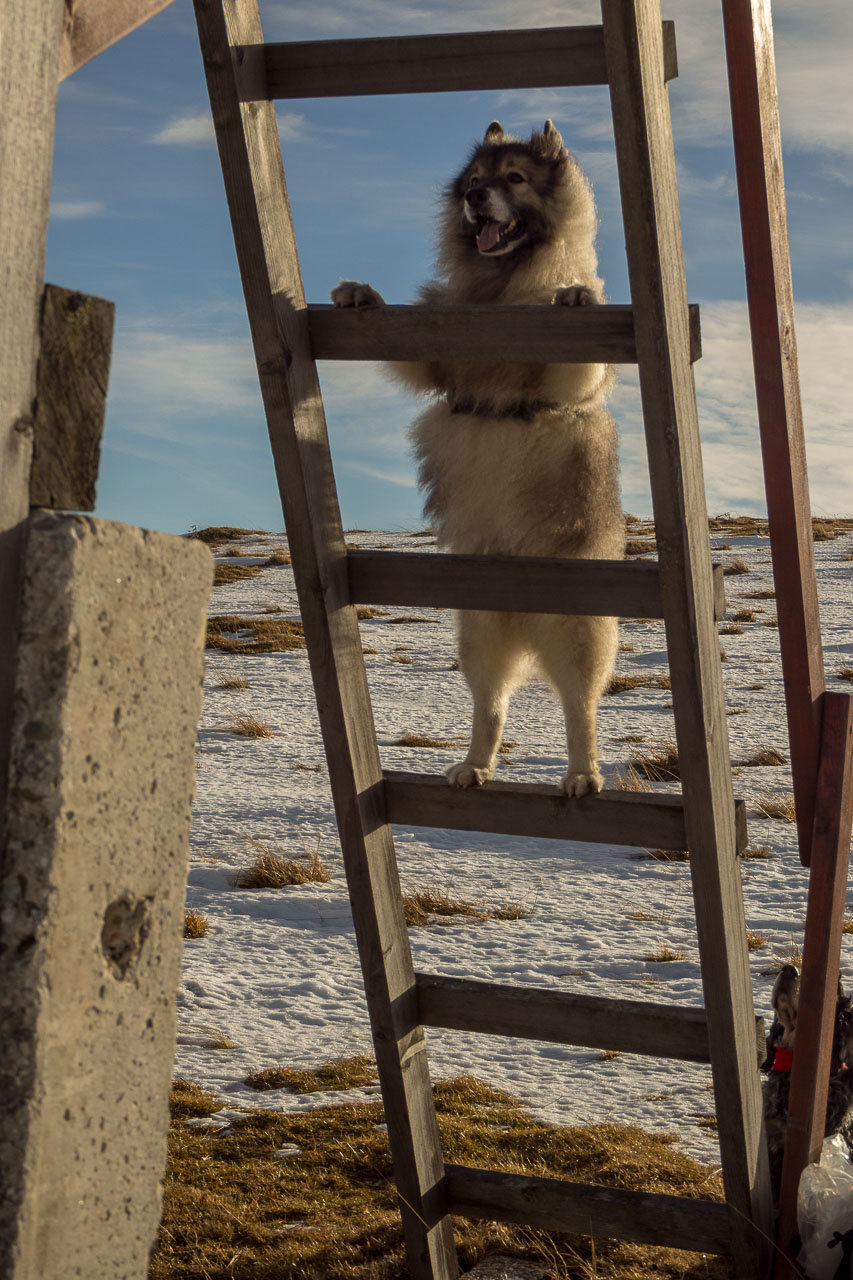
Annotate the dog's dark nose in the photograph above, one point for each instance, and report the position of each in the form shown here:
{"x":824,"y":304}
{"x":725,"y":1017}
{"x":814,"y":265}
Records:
{"x":475,"y":196}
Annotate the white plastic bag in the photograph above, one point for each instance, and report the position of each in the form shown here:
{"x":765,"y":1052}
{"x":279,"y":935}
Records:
{"x":824,"y":1207}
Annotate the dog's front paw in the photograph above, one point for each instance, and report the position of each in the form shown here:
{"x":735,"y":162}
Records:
{"x":575,"y":295}
{"x":581,"y":784}
{"x":353,"y":293}
{"x":467,"y":775}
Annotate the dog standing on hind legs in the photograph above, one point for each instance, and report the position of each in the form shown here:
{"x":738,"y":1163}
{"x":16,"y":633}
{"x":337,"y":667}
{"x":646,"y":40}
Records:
{"x":519,"y":459}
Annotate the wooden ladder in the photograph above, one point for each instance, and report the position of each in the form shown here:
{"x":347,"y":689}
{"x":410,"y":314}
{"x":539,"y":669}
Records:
{"x":635,"y":53}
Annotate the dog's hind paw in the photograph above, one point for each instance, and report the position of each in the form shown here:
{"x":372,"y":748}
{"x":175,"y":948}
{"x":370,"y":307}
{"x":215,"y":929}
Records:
{"x":581,"y":784}
{"x":467,"y":775}
{"x":353,"y":293}
{"x":575,"y":295}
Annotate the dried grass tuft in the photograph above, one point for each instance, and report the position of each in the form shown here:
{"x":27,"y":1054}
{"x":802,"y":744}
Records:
{"x":774,"y":805}
{"x":272,"y":870}
{"x":196,"y":924}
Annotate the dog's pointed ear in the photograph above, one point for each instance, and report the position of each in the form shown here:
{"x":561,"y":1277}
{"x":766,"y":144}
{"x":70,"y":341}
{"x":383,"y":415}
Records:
{"x":549,"y":144}
{"x":495,"y":132}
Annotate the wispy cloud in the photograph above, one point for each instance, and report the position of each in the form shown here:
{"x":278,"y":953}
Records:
{"x":404,"y":480}
{"x":194,"y":129}
{"x":70,"y":209}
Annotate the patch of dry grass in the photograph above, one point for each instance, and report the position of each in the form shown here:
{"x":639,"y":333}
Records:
{"x":225,"y":573}
{"x":233,"y":634}
{"x":844,"y":673}
{"x":744,"y":615}
{"x":774,"y":805}
{"x":755,"y":940}
{"x":760,"y":595}
{"x":640,"y":547}
{"x":763,"y":756}
{"x":272,"y":870}
{"x":354,"y":1072}
{"x":218,"y":535}
{"x":666,"y":855}
{"x":280,"y":558}
{"x":608,"y":1055}
{"x":664,"y":954}
{"x":196,"y":924}
{"x":731,"y":629}
{"x":757,"y":853}
{"x":658,"y":762}
{"x":364,"y":612}
{"x":620,"y":684}
{"x":735,"y":567}
{"x":252,"y":727}
{"x":794,"y":956}
{"x":330,"y":1212}
{"x":630,"y":780}
{"x":770,"y":622}
{"x":233,"y":682}
{"x":422,"y":905}
{"x":409,"y":739}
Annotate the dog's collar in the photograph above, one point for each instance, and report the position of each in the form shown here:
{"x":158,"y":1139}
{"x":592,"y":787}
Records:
{"x":783,"y":1059}
{"x":526,"y":410}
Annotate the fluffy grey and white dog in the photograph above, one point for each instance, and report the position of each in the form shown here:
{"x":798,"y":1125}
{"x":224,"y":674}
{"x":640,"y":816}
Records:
{"x":519,"y":459}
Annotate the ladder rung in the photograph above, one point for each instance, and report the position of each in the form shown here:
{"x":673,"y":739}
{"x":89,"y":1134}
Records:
{"x":563,"y":1017}
{"x":520,"y":584}
{"x":699,"y":1225}
{"x":630,"y":818}
{"x":554,"y":335}
{"x":524,"y":59}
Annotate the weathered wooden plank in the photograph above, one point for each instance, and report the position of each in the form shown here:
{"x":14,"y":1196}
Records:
{"x":821,"y":954}
{"x":577,"y":1207}
{"x":28,"y":54}
{"x":764,"y":228}
{"x":250,"y":153}
{"x":631,"y":818}
{"x":93,"y":25}
{"x":483,"y":333}
{"x":524,"y":584}
{"x":71,"y":399}
{"x":564,"y":1017}
{"x":441,"y":63}
{"x":650,"y":212}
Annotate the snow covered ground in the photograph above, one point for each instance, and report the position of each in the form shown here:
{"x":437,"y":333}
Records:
{"x":277,"y":975}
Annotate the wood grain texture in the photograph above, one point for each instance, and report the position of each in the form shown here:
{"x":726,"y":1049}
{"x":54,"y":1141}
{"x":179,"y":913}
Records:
{"x":442,"y":63}
{"x":630,"y":818}
{"x":563,"y":1017}
{"x":821,"y":955}
{"x":554,"y":1205}
{"x":764,"y":228}
{"x":522,"y":584}
{"x":556,"y":335}
{"x":28,"y":57}
{"x":93,"y":25}
{"x":650,"y":212}
{"x":250,"y":154}
{"x":71,"y":399}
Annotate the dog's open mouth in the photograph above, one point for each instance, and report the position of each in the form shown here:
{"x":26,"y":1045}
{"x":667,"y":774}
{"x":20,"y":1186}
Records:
{"x":498,"y":237}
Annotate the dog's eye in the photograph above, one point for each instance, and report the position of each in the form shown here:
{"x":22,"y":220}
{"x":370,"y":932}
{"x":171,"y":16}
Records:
{"x":515,"y":177}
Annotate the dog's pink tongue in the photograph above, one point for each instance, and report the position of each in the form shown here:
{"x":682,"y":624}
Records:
{"x":490,"y":235}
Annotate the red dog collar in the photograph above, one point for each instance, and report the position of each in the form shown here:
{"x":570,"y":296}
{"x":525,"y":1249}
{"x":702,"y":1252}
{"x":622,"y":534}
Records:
{"x":783,"y":1059}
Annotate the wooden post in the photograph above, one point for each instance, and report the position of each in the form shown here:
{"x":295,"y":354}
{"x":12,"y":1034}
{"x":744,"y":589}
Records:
{"x":93,"y":25}
{"x":71,"y":399}
{"x":761,"y":192}
{"x":29,"y":52}
{"x":821,"y":954}
{"x":658,"y":294}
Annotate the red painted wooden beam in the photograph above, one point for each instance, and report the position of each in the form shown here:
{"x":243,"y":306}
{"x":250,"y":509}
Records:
{"x":761,"y":192}
{"x":821,"y":956}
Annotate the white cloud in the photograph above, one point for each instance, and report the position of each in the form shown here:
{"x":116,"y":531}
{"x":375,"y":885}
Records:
{"x":404,"y":480}
{"x":192,"y":130}
{"x":728,"y":421}
{"x":196,"y":129}
{"x":70,"y":209}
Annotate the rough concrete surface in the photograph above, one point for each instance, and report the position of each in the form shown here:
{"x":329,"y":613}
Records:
{"x":107,"y":701}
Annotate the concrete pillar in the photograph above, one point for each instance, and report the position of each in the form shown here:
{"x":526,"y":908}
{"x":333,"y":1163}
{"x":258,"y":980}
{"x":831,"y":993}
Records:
{"x":107,"y":702}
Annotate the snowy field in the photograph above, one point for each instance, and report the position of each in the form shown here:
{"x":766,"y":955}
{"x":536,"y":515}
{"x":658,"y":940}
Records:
{"x":277,"y":976}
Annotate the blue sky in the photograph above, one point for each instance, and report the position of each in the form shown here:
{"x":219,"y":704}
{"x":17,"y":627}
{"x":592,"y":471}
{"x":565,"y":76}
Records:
{"x":138,"y":216}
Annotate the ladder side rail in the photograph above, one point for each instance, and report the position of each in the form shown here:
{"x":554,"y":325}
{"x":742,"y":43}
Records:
{"x":821,"y":963}
{"x":646,"y":166}
{"x":764,"y":229}
{"x":520,"y":59}
{"x":252,"y":166}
